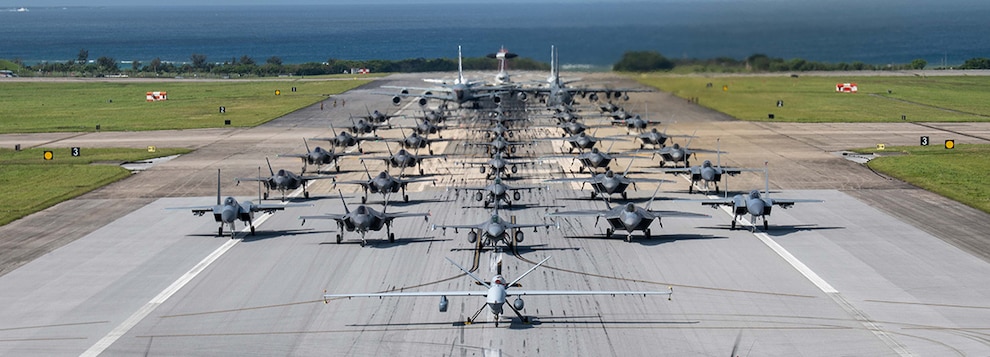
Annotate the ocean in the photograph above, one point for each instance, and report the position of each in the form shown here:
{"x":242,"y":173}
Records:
{"x":587,"y":34}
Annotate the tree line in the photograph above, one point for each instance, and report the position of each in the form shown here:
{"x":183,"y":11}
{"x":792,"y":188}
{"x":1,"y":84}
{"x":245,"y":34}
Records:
{"x":631,"y":61}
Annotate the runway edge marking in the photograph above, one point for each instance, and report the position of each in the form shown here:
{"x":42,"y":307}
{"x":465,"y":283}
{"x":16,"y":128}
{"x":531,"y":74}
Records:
{"x":825,"y":287}
{"x":100,"y":346}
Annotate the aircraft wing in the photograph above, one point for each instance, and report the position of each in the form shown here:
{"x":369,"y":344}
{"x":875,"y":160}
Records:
{"x":457,"y":226}
{"x":530,"y":225}
{"x":512,"y":292}
{"x":599,"y":213}
{"x":239,"y":179}
{"x":301,"y":156}
{"x":321,"y":177}
{"x":196,"y":209}
{"x":735,"y":171}
{"x":269,"y":208}
{"x":677,"y":214}
{"x":410,"y":294}
{"x":788,"y":202}
{"x":336,"y":217}
{"x":727,"y":201}
{"x":409,"y":214}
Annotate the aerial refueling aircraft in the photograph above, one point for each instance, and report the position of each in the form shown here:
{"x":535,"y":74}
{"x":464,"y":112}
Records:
{"x":228,"y":211}
{"x":496,"y":293}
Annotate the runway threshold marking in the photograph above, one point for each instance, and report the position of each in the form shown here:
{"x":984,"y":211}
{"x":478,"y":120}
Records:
{"x":100,"y":346}
{"x":825,"y":287}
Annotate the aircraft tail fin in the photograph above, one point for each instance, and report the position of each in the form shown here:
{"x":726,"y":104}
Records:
{"x":306,"y":144}
{"x":626,"y":172}
{"x":460,"y":67}
{"x":366,"y":170}
{"x":766,"y":179}
{"x":259,"y":181}
{"x":332,"y":130}
{"x":346,"y":211}
{"x":475,"y":277}
{"x":218,"y":187}
{"x":655,"y":192}
{"x":269,"y":167}
{"x":528,"y":271}
{"x":718,"y":153}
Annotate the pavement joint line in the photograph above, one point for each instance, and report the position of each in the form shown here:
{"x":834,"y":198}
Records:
{"x":824,"y":286}
{"x":100,"y":346}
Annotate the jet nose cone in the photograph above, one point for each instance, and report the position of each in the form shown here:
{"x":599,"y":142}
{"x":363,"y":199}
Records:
{"x":228,"y":214}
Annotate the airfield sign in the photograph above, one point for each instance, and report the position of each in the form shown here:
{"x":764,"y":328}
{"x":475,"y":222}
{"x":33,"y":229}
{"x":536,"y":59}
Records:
{"x":924,"y":140}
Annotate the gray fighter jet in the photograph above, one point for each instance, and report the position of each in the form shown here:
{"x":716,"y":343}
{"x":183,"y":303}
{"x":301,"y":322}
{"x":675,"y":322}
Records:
{"x":499,"y":166}
{"x":629,"y":217}
{"x":228,"y":211}
{"x":402,"y":159}
{"x":283,"y":181}
{"x":636,"y":123}
{"x":384,"y":183}
{"x":657,"y":139}
{"x":707,"y":174}
{"x":364,"y":219}
{"x":415,"y":141}
{"x":346,"y":139}
{"x":494,"y":230}
{"x":319,"y":157}
{"x":496,"y":293}
{"x":609,"y":183}
{"x":757,"y":205}
{"x":497,"y":192}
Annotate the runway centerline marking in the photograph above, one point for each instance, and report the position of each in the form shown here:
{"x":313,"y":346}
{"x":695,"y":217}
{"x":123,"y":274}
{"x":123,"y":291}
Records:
{"x":100,"y":346}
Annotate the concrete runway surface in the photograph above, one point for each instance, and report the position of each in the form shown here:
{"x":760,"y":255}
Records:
{"x":879,"y":269}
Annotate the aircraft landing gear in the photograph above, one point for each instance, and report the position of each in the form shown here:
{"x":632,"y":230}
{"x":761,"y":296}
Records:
{"x":391,"y":237}
{"x":405,"y":198}
{"x":339,"y":238}
{"x":608,"y":232}
{"x":624,"y":195}
{"x":733,"y":225}
{"x":220,"y":231}
{"x":629,"y":238}
{"x":691,"y":188}
{"x":648,"y":236}
{"x":252,"y":231}
{"x":766,"y":225}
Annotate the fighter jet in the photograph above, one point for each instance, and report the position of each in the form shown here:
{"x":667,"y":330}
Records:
{"x":494,"y":230}
{"x":228,"y":211}
{"x":402,"y":159}
{"x":345,"y":139}
{"x":609,"y":183}
{"x":657,"y":139}
{"x":319,"y":157}
{"x":636,"y":123}
{"x":629,"y":217}
{"x":425,"y":127}
{"x":499,"y":166}
{"x":364,"y":219}
{"x":497,"y":192}
{"x":377,"y":117}
{"x":757,"y":205}
{"x":499,"y":145}
{"x":496,"y":293}
{"x":677,"y":154}
{"x":283,"y":180}
{"x":707,"y":174}
{"x":384,"y":183}
{"x":583,"y":141}
{"x":362,"y":126}
{"x":415,"y":141}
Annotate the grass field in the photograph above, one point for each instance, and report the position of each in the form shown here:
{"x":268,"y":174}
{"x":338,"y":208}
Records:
{"x":28,"y":107}
{"x":958,"y":173}
{"x":814,"y":99}
{"x":32,"y":184}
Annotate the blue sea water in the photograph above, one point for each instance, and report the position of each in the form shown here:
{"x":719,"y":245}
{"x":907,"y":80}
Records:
{"x":596,"y":34}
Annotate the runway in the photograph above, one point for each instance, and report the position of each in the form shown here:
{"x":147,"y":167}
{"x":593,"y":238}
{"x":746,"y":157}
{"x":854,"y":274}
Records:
{"x":843,"y":277}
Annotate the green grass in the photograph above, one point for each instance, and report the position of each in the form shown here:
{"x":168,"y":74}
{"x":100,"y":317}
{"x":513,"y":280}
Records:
{"x":29,"y":107}
{"x":813,"y":99}
{"x":32,"y":184}
{"x":959,"y":174}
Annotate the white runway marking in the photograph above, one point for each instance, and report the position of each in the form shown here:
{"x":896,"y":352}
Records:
{"x":122,"y":329}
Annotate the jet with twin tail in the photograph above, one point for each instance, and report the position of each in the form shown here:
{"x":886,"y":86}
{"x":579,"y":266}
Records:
{"x":384,"y":183}
{"x":496,"y":293}
{"x":494,"y":230}
{"x":499,"y":165}
{"x":284,"y":180}
{"x":228,"y":210}
{"x":706,"y":174}
{"x":402,"y":159}
{"x":346,"y":139}
{"x":609,"y":183}
{"x":758,"y":205}
{"x":364,"y":219}
{"x":497,"y":192}
{"x":319,"y":156}
{"x":629,"y":217}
